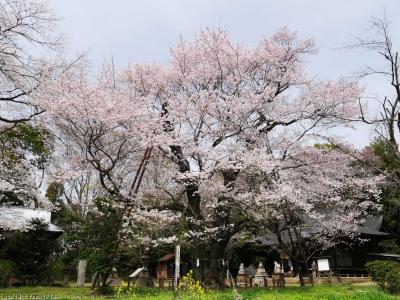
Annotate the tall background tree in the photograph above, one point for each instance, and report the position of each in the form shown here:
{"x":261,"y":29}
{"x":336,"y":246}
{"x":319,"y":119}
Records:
{"x":25,"y":151}
{"x":383,"y":155}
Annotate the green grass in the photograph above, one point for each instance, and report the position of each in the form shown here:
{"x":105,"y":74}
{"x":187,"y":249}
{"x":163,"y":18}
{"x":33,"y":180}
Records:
{"x":348,"y":292}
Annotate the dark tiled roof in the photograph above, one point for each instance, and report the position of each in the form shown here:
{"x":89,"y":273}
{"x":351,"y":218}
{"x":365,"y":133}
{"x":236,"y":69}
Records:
{"x":370,"y":227}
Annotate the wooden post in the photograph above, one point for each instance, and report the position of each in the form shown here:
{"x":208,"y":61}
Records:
{"x":177,"y":265}
{"x":80,"y":281}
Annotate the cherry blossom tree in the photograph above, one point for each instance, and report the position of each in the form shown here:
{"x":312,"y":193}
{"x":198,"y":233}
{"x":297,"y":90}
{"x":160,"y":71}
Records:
{"x":222,"y":100}
{"x":311,"y":201}
{"x":74,"y":185}
{"x":110,"y":124}
{"x":198,"y":117}
{"x":27,"y":36}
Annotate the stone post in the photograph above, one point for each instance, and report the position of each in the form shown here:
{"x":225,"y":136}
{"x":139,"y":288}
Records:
{"x":80,"y":281}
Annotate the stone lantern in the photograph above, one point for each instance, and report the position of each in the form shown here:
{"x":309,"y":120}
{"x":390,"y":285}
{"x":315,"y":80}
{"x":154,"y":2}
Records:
{"x":260,"y":279}
{"x":241,"y":278}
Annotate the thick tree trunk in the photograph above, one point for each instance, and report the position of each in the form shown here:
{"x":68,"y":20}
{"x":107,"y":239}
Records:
{"x":301,"y":278}
{"x":302,"y":254}
{"x":301,"y":267}
{"x":198,"y":266}
{"x":198,"y":250}
{"x":296,"y":244}
{"x":217,"y":256}
{"x":298,"y":267}
{"x":193,"y":209}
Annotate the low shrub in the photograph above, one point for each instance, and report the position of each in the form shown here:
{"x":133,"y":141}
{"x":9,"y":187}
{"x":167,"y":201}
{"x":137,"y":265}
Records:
{"x":386,"y":274}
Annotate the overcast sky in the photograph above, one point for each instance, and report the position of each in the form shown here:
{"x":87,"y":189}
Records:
{"x":133,"y":31}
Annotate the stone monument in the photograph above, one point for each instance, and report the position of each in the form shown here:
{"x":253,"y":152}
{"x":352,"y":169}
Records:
{"x":241,"y":278}
{"x":277,"y":267}
{"x":278,"y":277}
{"x":80,"y":281}
{"x":260,"y":279}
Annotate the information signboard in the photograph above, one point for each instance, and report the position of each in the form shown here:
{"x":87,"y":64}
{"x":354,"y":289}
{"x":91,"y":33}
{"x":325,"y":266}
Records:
{"x":323,"y":264}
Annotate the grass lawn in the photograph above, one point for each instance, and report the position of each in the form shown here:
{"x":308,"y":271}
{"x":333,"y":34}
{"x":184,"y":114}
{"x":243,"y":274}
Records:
{"x":336,"y":292}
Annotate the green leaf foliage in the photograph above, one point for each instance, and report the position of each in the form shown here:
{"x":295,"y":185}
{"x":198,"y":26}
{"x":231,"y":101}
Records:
{"x":390,"y":196}
{"x":384,"y":150}
{"x":31,"y":254}
{"x":25,"y":138}
{"x":386,"y":274}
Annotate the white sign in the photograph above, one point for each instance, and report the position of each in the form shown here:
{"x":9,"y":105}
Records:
{"x":323,"y":264}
